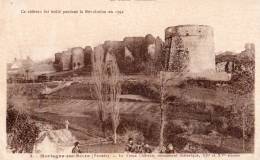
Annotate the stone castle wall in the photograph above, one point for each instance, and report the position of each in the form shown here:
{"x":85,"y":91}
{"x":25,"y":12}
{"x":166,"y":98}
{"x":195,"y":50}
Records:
{"x":63,"y":61}
{"x":190,"y":48}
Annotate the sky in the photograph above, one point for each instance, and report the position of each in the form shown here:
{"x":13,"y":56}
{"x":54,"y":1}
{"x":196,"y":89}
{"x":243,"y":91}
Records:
{"x":40,"y":36}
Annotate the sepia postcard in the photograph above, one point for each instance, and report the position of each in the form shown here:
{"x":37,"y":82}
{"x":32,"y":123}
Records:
{"x":129,"y":79}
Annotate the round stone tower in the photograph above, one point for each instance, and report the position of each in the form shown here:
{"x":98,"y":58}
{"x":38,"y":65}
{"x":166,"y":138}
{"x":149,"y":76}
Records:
{"x":77,"y":58}
{"x":190,"y":48}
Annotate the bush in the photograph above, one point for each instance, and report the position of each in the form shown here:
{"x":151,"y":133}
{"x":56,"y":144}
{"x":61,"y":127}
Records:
{"x":135,"y":134}
{"x":242,"y":83}
{"x":143,"y":88}
{"x":22,"y":132}
{"x":148,"y":130}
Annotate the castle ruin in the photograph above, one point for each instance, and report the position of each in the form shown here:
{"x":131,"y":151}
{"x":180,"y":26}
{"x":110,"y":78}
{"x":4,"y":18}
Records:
{"x":189,"y":48}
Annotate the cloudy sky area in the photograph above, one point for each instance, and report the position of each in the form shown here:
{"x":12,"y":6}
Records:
{"x":41,"y":35}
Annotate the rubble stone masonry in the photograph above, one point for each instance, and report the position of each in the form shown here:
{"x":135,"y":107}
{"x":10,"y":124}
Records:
{"x":190,"y":48}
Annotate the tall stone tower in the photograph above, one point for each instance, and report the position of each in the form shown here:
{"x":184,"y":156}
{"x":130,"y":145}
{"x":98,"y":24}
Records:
{"x":189,"y":48}
{"x":77,"y":55}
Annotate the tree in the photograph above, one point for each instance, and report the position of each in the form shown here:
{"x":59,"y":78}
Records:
{"x":115,"y":92}
{"x":162,"y":106}
{"x":167,"y":79}
{"x":106,"y":77}
{"x":22,"y":132}
{"x":99,"y":79}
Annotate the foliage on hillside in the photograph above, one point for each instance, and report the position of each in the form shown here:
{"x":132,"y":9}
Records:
{"x":22,"y":132}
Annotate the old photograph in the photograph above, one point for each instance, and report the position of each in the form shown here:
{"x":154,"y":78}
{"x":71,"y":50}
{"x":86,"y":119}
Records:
{"x":172,"y":78}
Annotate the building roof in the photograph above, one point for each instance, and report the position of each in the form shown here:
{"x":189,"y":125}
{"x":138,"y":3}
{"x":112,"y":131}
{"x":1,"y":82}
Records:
{"x":60,"y":137}
{"x":19,"y":66}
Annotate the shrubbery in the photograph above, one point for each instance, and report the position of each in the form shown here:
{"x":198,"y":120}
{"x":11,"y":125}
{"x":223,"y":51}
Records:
{"x":143,"y":88}
{"x":22,"y":132}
